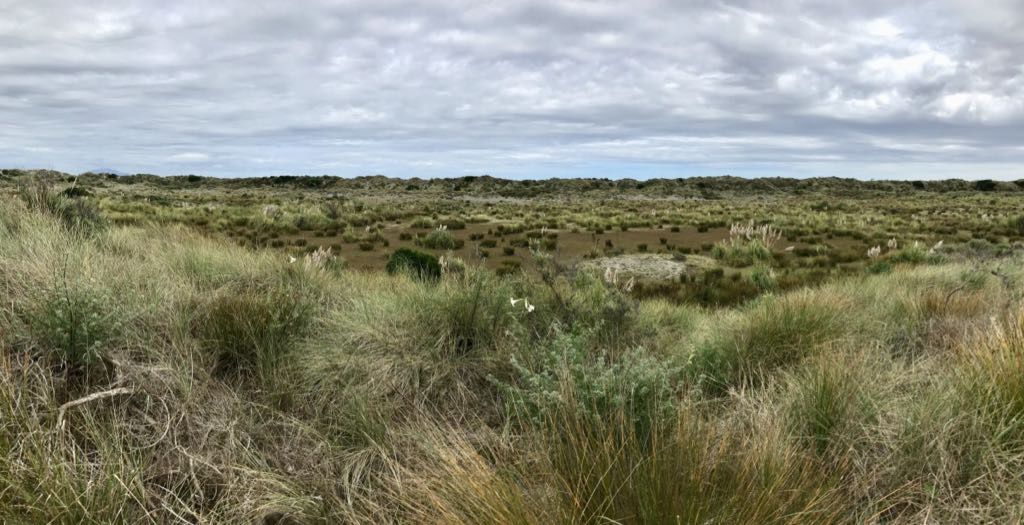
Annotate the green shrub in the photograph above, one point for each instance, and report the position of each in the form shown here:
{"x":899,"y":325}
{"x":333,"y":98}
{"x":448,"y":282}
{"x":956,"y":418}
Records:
{"x":75,"y":322}
{"x":828,"y":399}
{"x":877,"y":267}
{"x":1016,"y":224}
{"x":635,"y":383}
{"x":416,"y":263}
{"x":914,"y":253}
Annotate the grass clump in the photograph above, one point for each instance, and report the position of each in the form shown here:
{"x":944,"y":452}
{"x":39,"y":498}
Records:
{"x":440,"y":240}
{"x":740,"y":252}
{"x":773,"y":333}
{"x":248,"y":326}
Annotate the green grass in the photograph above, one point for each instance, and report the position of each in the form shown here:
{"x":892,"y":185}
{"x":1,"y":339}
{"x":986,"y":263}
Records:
{"x":156,"y":373}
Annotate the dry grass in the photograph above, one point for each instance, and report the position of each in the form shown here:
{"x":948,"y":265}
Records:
{"x":210,"y":383}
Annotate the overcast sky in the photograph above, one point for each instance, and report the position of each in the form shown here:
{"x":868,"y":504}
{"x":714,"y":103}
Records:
{"x":638,"y":88}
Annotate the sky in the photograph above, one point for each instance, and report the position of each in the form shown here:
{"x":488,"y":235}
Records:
{"x":871,"y":89}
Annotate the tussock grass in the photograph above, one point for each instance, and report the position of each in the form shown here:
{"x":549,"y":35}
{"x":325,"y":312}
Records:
{"x":149,"y":374}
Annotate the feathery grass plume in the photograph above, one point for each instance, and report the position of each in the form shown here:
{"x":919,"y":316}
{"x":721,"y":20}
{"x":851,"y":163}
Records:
{"x":320,"y":260}
{"x":747,"y":244}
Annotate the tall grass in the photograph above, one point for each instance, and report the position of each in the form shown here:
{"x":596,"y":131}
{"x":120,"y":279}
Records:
{"x":154,"y":375}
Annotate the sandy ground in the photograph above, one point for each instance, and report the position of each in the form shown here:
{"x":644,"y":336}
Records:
{"x":650,"y":266}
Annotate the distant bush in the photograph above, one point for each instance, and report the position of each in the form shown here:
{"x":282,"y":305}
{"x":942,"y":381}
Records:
{"x":764,"y":279}
{"x":416,"y":263}
{"x":440,"y":240}
{"x":879,"y":267}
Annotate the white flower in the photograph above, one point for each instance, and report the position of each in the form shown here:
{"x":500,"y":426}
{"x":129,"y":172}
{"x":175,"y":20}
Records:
{"x":526,"y":303}
{"x":874,"y":252}
{"x":629,"y":285}
{"x":892,"y":244}
{"x":291,"y":259}
{"x":609,"y":275}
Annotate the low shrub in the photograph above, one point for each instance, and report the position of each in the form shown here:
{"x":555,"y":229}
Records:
{"x":415,"y":263}
{"x":74,"y":322}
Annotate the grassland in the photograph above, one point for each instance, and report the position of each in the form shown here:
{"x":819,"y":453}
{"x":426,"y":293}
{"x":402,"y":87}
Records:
{"x":202,"y":351}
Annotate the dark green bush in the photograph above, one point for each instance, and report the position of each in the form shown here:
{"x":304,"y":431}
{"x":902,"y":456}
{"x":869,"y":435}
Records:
{"x":418,"y":264}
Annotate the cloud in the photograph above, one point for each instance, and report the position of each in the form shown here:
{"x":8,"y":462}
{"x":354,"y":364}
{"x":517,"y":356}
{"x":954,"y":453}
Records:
{"x":516,"y":88}
{"x":190,"y":156}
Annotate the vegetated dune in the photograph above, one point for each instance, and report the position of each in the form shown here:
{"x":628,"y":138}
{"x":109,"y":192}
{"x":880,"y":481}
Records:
{"x":152,"y":374}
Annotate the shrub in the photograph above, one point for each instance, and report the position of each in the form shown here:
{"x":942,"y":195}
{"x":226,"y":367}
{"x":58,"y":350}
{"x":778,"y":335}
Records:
{"x":989,"y":383}
{"x":828,"y":399}
{"x":914,"y":253}
{"x":635,"y":383}
{"x":877,"y":267}
{"x":685,"y":470}
{"x":75,"y":322}
{"x":416,"y":263}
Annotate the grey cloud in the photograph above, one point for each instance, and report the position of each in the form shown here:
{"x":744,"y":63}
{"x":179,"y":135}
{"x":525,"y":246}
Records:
{"x":514,"y":88}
